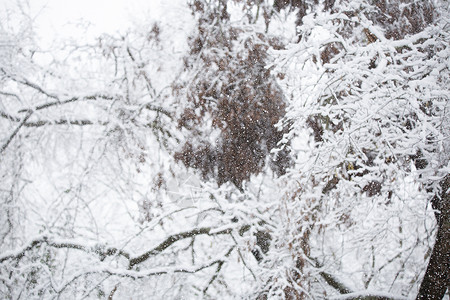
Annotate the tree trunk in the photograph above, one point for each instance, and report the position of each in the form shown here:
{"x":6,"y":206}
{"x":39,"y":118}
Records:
{"x":436,"y":279}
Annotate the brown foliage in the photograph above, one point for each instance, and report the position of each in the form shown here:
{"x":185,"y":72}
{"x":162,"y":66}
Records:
{"x":236,"y":91}
{"x":397,"y":18}
{"x":402,"y":17}
{"x":301,"y":6}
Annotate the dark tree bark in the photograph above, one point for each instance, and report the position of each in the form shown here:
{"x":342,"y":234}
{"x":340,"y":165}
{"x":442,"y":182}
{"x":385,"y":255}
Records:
{"x":436,"y":280}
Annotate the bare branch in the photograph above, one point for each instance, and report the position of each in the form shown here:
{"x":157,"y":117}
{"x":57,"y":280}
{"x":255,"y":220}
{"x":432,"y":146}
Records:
{"x":140,"y":274}
{"x":11,"y":137}
{"x":111,"y":294}
{"x":73,"y":99}
{"x":36,"y":87}
{"x":159,"y":110}
{"x":219,"y":267}
{"x":29,"y":84}
{"x":41,"y":123}
{"x":9,"y":117}
{"x":349,"y":294}
{"x":29,"y":112}
{"x":10,"y":95}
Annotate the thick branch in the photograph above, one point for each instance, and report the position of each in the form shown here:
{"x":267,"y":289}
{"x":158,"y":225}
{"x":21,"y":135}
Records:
{"x":369,"y":295}
{"x":349,"y":294}
{"x":332,"y":280}
{"x":21,"y":253}
{"x":103,"y":251}
{"x":173,"y":239}
{"x":437,"y":276}
{"x":335,"y":283}
{"x":100,"y":250}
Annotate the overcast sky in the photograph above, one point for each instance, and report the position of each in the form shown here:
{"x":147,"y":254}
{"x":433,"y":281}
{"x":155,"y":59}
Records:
{"x":89,"y":18}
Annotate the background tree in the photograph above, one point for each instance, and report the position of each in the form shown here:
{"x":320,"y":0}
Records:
{"x":228,"y":87}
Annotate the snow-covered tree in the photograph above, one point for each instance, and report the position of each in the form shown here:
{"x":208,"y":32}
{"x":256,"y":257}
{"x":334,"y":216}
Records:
{"x":370,"y":116}
{"x":234,"y":150}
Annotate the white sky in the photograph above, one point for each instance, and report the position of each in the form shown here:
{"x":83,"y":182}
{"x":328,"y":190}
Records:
{"x":70,"y":18}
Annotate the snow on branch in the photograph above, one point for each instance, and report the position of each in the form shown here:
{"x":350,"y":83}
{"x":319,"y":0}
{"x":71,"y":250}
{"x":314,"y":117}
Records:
{"x":11,"y":137}
{"x":73,"y":99}
{"x":369,"y":295}
{"x":100,"y":250}
{"x":174,"y":238}
{"x":147,"y":273}
{"x":104,"y":251}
